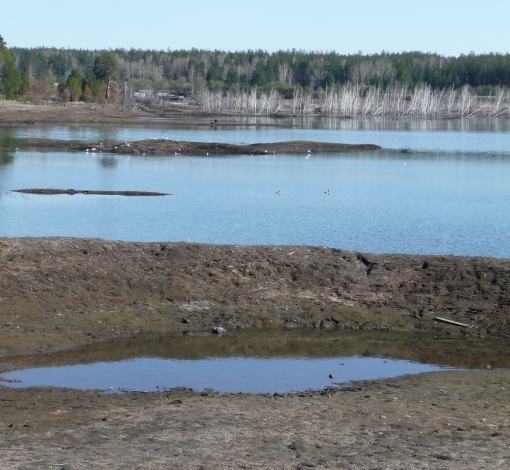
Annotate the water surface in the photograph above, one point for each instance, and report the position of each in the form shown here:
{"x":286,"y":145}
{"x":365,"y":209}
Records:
{"x":380,"y":202}
{"x":439,"y":135}
{"x":449,"y":194}
{"x":252,"y":361}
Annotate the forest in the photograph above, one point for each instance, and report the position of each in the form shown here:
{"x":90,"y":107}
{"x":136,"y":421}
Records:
{"x":220,"y":77}
{"x":184,"y":71}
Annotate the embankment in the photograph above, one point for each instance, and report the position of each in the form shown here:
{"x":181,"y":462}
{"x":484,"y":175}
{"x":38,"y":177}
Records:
{"x":57,"y":292}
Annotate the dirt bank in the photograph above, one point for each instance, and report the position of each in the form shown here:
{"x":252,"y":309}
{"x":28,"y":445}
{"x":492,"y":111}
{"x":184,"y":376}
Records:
{"x":57,"y":292}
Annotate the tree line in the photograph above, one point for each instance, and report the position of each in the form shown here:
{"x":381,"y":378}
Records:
{"x":80,"y":75}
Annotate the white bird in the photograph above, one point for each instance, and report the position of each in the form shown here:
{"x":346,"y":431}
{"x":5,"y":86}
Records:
{"x":404,"y":163}
{"x":278,"y":192}
{"x":326,"y":192}
{"x":86,"y":150}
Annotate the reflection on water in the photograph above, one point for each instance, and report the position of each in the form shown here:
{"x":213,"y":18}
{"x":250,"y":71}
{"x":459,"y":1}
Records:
{"x":471,"y":353}
{"x":253,"y":361}
{"x":108,"y":161}
{"x":6,"y":158}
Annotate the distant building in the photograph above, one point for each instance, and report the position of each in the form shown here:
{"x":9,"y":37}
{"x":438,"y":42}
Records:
{"x":143,"y":93}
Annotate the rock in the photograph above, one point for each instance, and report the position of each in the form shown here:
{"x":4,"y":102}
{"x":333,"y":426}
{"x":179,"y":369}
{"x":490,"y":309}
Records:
{"x":219,"y":330}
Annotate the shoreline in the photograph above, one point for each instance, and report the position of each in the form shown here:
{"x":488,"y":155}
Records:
{"x":28,"y":115}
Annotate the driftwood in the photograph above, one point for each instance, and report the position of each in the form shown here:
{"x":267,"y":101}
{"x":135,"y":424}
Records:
{"x":451,"y":322}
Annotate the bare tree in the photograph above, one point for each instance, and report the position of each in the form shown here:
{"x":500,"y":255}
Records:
{"x":65,"y":95}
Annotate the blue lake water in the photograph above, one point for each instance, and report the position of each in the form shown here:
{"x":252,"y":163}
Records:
{"x":448,"y":195}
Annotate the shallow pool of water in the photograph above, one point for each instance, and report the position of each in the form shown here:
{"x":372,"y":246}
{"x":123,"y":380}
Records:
{"x":251,"y":361}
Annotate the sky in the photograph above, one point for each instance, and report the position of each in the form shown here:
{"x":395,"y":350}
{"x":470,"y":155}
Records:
{"x":447,"y":27}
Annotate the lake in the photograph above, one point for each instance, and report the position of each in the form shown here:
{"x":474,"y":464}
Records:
{"x":448,"y":194}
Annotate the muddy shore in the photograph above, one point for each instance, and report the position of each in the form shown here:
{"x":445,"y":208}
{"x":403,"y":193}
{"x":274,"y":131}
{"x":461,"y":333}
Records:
{"x":181,"y":114}
{"x":164,"y":147}
{"x":27,"y":115}
{"x":432,"y":421}
{"x":60,"y":292}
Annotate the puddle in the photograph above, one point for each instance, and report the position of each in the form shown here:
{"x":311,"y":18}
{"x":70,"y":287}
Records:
{"x":251,"y":361}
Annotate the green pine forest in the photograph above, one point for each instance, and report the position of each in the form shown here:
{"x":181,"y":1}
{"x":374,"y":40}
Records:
{"x":93,"y":75}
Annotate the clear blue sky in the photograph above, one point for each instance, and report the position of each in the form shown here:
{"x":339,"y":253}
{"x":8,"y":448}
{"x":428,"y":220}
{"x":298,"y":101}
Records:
{"x":449,"y":27}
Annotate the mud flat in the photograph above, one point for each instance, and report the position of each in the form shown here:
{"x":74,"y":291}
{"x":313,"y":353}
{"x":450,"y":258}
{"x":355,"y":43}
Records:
{"x":171,"y":147}
{"x":60,"y":292}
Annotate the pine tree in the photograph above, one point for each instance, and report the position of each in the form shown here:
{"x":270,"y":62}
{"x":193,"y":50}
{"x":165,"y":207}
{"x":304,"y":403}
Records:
{"x":13,"y":84}
{"x":106,"y":68}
